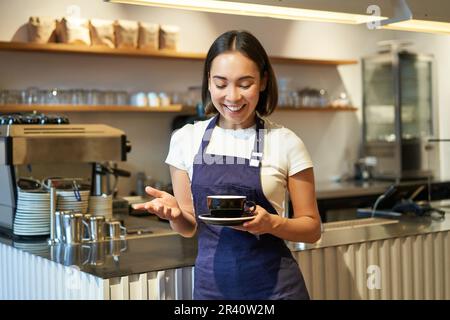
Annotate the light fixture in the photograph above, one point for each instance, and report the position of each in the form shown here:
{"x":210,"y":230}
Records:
{"x":403,"y":21}
{"x":402,"y":15}
{"x":401,"y":12}
{"x":420,"y":26}
{"x":250,"y":8}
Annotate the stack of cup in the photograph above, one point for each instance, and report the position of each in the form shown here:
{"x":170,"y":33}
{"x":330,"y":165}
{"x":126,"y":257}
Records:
{"x":101,"y":206}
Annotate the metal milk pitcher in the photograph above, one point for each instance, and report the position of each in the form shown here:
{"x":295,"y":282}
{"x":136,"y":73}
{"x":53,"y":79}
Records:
{"x":59,"y":231}
{"x":116,"y":230}
{"x":97,"y":228}
{"x":73,"y":228}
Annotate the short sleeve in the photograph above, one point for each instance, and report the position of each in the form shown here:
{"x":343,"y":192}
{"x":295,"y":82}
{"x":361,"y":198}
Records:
{"x":177,"y":153}
{"x":298,"y":156}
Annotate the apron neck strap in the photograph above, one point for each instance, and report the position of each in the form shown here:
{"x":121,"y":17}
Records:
{"x":259,"y":139}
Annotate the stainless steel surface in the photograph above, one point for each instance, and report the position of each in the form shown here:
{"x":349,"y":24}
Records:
{"x":64,"y":143}
{"x":116,"y":247}
{"x":364,"y":230}
{"x":71,"y":255}
{"x":98,"y":254}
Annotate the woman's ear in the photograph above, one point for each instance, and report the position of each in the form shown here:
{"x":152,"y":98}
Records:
{"x":263,"y":82}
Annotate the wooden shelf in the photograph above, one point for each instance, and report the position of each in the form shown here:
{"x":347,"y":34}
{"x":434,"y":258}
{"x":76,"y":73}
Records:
{"x":160,"y":54}
{"x":320,"y":109}
{"x":178,"y":108}
{"x":306,"y":61}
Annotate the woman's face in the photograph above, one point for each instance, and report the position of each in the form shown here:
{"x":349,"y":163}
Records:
{"x":234,"y":85}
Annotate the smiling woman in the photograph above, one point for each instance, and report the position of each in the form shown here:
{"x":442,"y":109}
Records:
{"x":240,"y":153}
{"x":238,"y":80}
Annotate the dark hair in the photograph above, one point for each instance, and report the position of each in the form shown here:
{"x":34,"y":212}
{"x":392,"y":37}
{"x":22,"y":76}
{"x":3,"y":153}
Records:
{"x":248,"y":45}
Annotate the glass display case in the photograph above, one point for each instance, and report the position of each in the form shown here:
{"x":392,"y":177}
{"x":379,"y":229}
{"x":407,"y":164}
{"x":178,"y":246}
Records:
{"x":398,"y":114}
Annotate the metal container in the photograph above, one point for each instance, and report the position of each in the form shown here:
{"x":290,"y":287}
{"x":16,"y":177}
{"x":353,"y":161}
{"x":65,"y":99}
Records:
{"x":59,"y":234}
{"x":73,"y":224}
{"x":115,"y":230}
{"x":97,"y":228}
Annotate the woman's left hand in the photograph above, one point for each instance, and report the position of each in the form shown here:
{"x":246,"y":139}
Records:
{"x":264,"y":222}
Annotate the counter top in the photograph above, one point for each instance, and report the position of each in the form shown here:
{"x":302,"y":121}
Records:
{"x":354,"y":188}
{"x":371,"y":229}
{"x":165,"y":249}
{"x":330,"y":189}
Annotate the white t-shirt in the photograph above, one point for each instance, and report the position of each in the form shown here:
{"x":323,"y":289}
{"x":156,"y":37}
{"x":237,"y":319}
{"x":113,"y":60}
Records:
{"x":284,"y":153}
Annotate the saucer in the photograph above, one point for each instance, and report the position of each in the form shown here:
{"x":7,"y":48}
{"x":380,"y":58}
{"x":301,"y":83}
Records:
{"x":224,"y":221}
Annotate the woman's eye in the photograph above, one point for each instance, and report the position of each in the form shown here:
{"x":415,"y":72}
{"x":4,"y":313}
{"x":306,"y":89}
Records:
{"x":220,"y":86}
{"x":245,"y":86}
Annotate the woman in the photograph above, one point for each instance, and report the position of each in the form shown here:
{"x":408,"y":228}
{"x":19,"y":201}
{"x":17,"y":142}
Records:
{"x":237,"y":152}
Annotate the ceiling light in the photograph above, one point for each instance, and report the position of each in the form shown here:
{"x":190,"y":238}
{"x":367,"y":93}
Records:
{"x":403,"y":20}
{"x":259,"y":10}
{"x":420,"y":26}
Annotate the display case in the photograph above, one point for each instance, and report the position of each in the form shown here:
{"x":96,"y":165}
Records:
{"x":398,"y":114}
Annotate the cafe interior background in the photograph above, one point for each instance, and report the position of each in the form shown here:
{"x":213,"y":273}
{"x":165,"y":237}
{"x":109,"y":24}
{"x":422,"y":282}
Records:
{"x":332,"y":129}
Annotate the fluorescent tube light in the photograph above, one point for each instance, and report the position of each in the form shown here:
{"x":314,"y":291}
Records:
{"x":259,"y":10}
{"x":420,"y":26}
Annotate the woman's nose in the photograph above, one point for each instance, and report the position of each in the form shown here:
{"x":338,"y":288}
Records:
{"x":233,"y":94}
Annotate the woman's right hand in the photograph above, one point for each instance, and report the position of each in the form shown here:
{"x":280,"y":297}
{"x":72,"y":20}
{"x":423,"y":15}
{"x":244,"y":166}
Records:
{"x":164,"y":205}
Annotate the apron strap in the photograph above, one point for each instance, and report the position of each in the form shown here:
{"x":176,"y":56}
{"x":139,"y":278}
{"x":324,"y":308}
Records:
{"x":208,"y":133}
{"x":198,"y":158}
{"x":258,"y":147}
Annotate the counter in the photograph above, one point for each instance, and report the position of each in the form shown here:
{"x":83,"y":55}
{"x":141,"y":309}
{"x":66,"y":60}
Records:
{"x":341,"y":196}
{"x":164,"y":260}
{"x":352,"y":188}
{"x":160,"y":250}
{"x":168,"y":250}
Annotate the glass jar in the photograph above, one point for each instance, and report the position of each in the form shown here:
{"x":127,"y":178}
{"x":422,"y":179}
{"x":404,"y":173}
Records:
{"x":95,"y":97}
{"x":122,"y":98}
{"x":30,"y":95}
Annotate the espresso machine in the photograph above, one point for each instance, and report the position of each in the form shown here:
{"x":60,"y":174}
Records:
{"x":49,"y":150}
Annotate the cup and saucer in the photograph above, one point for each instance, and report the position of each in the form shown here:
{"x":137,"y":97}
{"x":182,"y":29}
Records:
{"x":228,"y":210}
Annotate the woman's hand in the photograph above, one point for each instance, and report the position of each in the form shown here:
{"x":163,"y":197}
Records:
{"x":164,"y":205}
{"x":264,"y":222}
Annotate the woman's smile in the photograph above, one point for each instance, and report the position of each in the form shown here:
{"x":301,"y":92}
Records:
{"x":234,"y":108}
